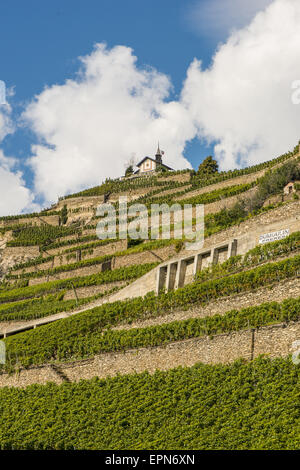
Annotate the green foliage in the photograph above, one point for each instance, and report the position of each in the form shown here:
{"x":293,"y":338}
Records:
{"x":44,"y":306}
{"x":32,"y":262}
{"x":255,"y":256}
{"x":208,"y":167}
{"x":40,"y":235}
{"x":64,"y":215}
{"x":225,"y":218}
{"x":40,"y":260}
{"x":227,"y":407}
{"x":274,"y":181}
{"x":225,"y":175}
{"x":218,"y":194}
{"x":153,"y":244}
{"x":161,"y":168}
{"x":75,"y":241}
{"x":44,"y":213}
{"x":121,"y":274}
{"x":129,"y":171}
{"x":61,"y":269}
{"x":118,"y":340}
{"x":156,"y":194}
{"x":116,"y":186}
{"x":79,"y":335}
{"x":206,"y":198}
{"x":36,"y":308}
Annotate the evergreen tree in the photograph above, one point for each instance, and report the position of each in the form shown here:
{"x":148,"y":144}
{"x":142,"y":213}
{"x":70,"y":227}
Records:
{"x":129,"y":171}
{"x":64,"y":215}
{"x":208,"y":167}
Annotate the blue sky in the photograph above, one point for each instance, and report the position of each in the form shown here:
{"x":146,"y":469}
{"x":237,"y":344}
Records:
{"x":40,"y":46}
{"x":40,"y":43}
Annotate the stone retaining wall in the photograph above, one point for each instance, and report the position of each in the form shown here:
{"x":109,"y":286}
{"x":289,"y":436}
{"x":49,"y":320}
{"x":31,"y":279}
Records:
{"x":21,"y":251}
{"x":150,"y":256}
{"x":160,"y":254}
{"x":89,"y":291}
{"x":73,"y":257}
{"x":245,"y":179}
{"x":248,"y":232}
{"x":38,"y":221}
{"x":118,"y":245}
{"x":87,"y":270}
{"x":274,"y":341}
{"x":180,"y":178}
{"x":275,"y":293}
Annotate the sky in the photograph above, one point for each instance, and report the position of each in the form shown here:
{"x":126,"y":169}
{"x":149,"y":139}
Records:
{"x":92,"y":85}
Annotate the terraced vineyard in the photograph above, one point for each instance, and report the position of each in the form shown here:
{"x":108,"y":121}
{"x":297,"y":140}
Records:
{"x":135,"y":344}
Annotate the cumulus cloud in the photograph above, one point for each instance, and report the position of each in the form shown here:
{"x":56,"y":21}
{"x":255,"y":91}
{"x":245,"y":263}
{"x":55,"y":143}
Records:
{"x":216,"y":18}
{"x":14,"y":196}
{"x":243,"y":101}
{"x":6,"y":125}
{"x":91,"y":126}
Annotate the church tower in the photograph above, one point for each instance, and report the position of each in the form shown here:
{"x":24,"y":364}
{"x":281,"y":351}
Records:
{"x":158,"y":156}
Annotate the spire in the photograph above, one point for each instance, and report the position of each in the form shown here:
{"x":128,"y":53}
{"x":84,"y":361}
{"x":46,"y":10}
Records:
{"x":158,"y":155}
{"x":158,"y":152}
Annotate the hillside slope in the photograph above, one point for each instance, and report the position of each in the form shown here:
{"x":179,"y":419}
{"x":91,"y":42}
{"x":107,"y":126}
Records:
{"x":74,"y":308}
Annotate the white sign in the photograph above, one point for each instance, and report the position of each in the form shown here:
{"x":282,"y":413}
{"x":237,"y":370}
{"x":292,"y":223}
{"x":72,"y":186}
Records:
{"x":273,"y":236}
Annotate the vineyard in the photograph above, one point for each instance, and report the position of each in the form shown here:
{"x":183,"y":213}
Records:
{"x":70,"y":302}
{"x":44,"y":235}
{"x":238,"y":406}
{"x":127,"y":273}
{"x":79,"y":335}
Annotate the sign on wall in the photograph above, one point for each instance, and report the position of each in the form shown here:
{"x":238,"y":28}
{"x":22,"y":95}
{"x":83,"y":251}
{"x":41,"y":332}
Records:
{"x":273,"y":236}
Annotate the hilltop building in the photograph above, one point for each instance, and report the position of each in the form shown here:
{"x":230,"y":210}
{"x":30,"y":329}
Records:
{"x":148,"y":164}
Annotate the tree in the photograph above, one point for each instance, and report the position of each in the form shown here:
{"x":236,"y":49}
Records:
{"x":64,"y":215}
{"x":208,"y":167}
{"x":274,"y":181}
{"x":161,"y":168}
{"x":129,"y":170}
{"x":129,"y":165}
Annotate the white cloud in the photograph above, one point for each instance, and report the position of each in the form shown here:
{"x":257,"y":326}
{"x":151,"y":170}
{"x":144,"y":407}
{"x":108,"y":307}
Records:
{"x":216,"y":18}
{"x":243,"y":101}
{"x":14,"y":196}
{"x":89,"y":127}
{"x":6,"y":125}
